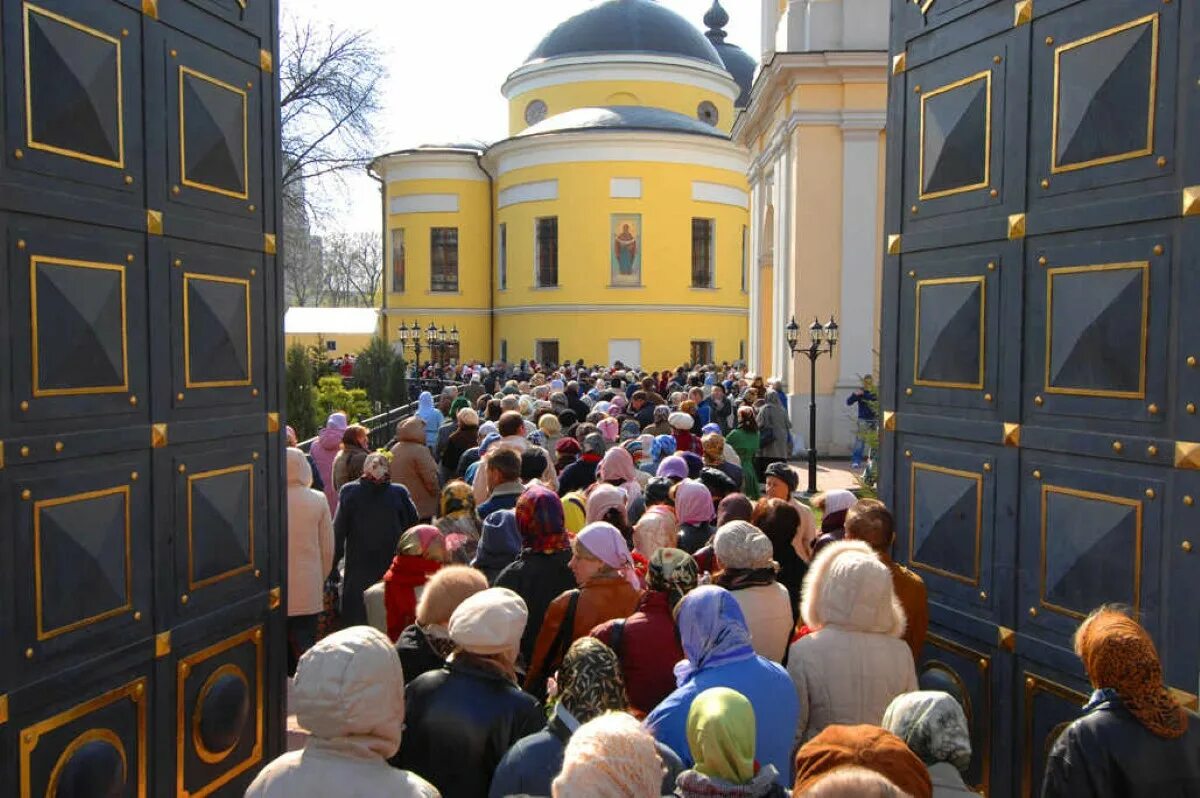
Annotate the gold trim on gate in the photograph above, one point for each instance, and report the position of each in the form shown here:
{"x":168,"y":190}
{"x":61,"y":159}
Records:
{"x":269,"y":245}
{"x":206,"y":755}
{"x":1006,"y":638}
{"x":1016,"y":226}
{"x":91,"y":735}
{"x":154,"y":222}
{"x":193,"y":583}
{"x":150,"y":8}
{"x":1033,"y":684}
{"x":983,"y":662}
{"x":899,"y":62}
{"x":266,"y":61}
{"x":1144,"y":266}
{"x":1191,"y":201}
{"x":1022,"y":12}
{"x":29,"y":737}
{"x":272,"y":422}
{"x":274,"y":598}
{"x":1055,"y":167}
{"x":1012,"y":434}
{"x":893,"y":244}
{"x":1187,"y":455}
{"x":75,"y":154}
{"x":38,"y":391}
{"x":162,"y":644}
{"x":889,"y":421}
{"x":183,"y":669}
{"x":977,"y":478}
{"x":1121,"y":501}
{"x":986,"y":76}
{"x":38,"y":506}
{"x":188,"y":382}
{"x":973,"y":386}
{"x":183,"y":177}
{"x":1,"y":455}
{"x":3,"y":708}
{"x":159,"y":436}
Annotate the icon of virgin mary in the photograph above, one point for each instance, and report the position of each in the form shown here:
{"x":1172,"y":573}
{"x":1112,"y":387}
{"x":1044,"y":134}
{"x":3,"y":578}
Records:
{"x":625,"y":250}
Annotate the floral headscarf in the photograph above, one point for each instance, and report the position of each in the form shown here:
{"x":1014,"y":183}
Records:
{"x":540,"y":520}
{"x":457,"y":500}
{"x":933,"y":725}
{"x":417,"y":540}
{"x":590,"y":681}
{"x":713,"y":445}
{"x":376,"y":468}
{"x":674,"y":572}
{"x":1119,"y":656}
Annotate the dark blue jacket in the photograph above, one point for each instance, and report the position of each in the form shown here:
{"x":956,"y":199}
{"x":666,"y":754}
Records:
{"x":861,"y":398}
{"x":370,"y":519}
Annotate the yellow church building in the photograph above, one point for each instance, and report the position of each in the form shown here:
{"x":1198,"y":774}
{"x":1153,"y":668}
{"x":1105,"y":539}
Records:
{"x":612,"y":223}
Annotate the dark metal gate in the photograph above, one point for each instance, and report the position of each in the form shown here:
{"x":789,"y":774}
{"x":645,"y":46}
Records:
{"x":1040,"y":346}
{"x":141,"y":549}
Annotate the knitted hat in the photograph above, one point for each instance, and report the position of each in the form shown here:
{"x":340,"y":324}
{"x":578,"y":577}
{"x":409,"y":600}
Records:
{"x":783,"y":472}
{"x":835,"y":501}
{"x":740,"y":544}
{"x":447,"y":589}
{"x":681,"y":421}
{"x":490,"y":622}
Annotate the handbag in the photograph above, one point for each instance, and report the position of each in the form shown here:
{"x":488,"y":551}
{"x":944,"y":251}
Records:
{"x":329,"y":619}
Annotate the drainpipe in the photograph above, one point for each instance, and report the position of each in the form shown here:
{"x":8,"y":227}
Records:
{"x":491,"y":257}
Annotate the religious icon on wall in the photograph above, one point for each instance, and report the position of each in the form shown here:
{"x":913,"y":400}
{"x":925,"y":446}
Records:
{"x":627,"y":249}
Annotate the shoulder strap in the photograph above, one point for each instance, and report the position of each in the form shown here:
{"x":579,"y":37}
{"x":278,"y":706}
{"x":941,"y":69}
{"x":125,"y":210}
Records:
{"x":566,"y":630}
{"x":616,"y":633}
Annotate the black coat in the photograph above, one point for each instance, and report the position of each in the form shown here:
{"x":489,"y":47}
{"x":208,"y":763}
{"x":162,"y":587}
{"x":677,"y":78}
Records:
{"x":539,"y":579}
{"x":459,"y":721}
{"x":416,"y":655}
{"x":370,"y":519}
{"x":693,"y":537}
{"x":577,"y":476}
{"x":1108,"y":754}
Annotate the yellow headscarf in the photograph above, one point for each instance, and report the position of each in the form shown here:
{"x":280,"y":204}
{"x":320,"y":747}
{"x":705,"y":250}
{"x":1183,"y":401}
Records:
{"x":720,"y":734}
{"x":574,"y":512}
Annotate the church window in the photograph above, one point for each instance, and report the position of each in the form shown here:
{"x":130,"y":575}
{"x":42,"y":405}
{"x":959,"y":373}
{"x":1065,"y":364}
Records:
{"x":702,"y":352}
{"x":535,"y":112}
{"x":702,"y":253}
{"x":546,"y":252}
{"x":546,"y":352}
{"x":707,"y":112}
{"x":443,"y":259}
{"x":399,"y":258}
{"x":502,"y":256}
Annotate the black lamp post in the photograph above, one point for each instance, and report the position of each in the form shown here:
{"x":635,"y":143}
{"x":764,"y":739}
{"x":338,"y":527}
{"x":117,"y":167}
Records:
{"x":822,"y":340}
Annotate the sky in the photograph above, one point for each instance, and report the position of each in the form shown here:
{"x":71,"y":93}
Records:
{"x":446,"y":61}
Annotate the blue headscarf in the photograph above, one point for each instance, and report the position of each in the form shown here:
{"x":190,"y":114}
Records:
{"x":712,"y":630}
{"x":663,"y":446}
{"x":500,"y":542}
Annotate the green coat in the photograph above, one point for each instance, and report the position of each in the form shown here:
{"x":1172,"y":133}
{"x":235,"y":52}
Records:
{"x":746,"y":445}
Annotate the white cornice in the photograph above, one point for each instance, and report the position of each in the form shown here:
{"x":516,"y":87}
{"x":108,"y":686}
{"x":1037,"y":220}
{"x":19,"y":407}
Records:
{"x":620,"y":68}
{"x":433,"y":165}
{"x":851,"y":122}
{"x":517,"y":310}
{"x":611,"y":145}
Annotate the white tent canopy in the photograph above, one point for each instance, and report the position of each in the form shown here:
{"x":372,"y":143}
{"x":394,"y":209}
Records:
{"x":331,"y":321}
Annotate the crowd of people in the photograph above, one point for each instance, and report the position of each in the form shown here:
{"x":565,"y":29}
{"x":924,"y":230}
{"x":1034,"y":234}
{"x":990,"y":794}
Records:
{"x":568,"y":583}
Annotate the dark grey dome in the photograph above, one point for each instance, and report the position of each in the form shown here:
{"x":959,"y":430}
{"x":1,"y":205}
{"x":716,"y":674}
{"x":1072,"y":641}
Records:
{"x":736,"y":60}
{"x":621,"y":117}
{"x":627,"y":26}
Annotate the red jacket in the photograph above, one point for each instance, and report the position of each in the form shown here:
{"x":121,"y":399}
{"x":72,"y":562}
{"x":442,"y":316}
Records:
{"x":400,"y":584}
{"x":648,"y":649}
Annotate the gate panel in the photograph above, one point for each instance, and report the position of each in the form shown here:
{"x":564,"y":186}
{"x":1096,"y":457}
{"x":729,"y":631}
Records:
{"x":141,"y":582}
{"x":1039,"y":373}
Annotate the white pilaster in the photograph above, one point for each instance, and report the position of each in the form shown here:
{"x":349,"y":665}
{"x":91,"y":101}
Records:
{"x":784,"y":260}
{"x":758,"y":205}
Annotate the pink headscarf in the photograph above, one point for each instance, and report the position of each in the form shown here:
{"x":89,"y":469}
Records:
{"x":609,"y":428}
{"x":618,"y":464}
{"x":605,"y":543}
{"x":693,"y":502}
{"x":603,"y":498}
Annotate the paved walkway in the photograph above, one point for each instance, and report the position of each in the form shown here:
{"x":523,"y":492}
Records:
{"x":831,"y":475}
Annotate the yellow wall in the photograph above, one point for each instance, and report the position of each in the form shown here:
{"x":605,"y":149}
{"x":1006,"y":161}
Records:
{"x":666,"y":337}
{"x":347,"y":343}
{"x":679,"y":97}
{"x":474,"y":245}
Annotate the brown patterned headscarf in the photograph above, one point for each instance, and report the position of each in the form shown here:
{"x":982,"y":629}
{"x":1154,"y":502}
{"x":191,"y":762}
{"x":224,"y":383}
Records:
{"x":1120,"y":656}
{"x":590,"y":681}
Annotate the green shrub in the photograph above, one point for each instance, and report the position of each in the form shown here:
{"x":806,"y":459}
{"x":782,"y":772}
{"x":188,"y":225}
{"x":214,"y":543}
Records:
{"x":333,"y":396}
{"x":372,"y":371}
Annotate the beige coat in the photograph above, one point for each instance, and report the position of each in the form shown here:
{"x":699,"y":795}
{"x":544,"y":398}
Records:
{"x":349,"y":695}
{"x":768,"y":613}
{"x":855,"y":663}
{"x":310,"y":538}
{"x":413,"y":466}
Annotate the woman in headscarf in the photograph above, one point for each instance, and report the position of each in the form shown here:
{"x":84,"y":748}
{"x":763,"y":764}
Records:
{"x":347,"y":465}
{"x":461,"y":439}
{"x":716,"y":644}
{"x":734,"y":507}
{"x":323,"y":451}
{"x":851,"y":667}
{"x":745,"y":441}
{"x":542,"y":570}
{"x":458,"y":522}
{"x":565,"y":452}
{"x":863,"y":746}
{"x":499,"y":546}
{"x":713,"y":446}
{"x":773,"y":426}
{"x":372,"y":515}
{"x":419,"y":554}
{"x":1134,"y":739}
{"x":646,"y":642}
{"x":607,"y":503}
{"x":694,"y":509}
{"x":611,"y":756}
{"x":414,"y":467}
{"x":589,"y":684}
{"x":616,"y":468}
{"x":309,"y":555}
{"x":932,"y":724}
{"x":608,"y":588}
{"x":661,"y":447}
{"x":779,"y":521}
{"x":348,"y":695}
{"x":462,"y":719}
{"x":656,"y":529}
{"x":431,"y":416}
{"x":749,"y":573}
{"x":720,"y":734}
{"x":609,"y":429}
{"x":424,"y":645}
{"x":833,"y":504}
{"x":682,"y":423}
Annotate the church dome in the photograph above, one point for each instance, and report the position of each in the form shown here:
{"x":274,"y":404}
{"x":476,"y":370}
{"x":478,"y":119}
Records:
{"x":737,"y":61}
{"x":621,"y":117}
{"x":627,"y":26}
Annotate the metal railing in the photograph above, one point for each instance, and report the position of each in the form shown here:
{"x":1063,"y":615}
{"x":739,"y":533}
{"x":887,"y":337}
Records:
{"x":382,"y":427}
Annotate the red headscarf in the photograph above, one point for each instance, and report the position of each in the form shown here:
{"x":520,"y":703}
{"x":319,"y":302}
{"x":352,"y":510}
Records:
{"x":540,"y":521}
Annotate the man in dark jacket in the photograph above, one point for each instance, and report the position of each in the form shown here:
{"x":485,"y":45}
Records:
{"x":460,"y":720}
{"x":582,"y":473}
{"x":503,"y":466}
{"x":641,"y":409}
{"x":372,"y":514}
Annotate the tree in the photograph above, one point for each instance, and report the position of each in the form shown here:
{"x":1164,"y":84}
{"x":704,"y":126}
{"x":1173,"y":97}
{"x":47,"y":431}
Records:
{"x":353,"y":268}
{"x":301,"y":391}
{"x":333,"y":396}
{"x":372,"y":370}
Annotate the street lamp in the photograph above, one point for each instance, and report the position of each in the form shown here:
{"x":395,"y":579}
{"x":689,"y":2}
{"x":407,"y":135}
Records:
{"x":822,"y":340}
